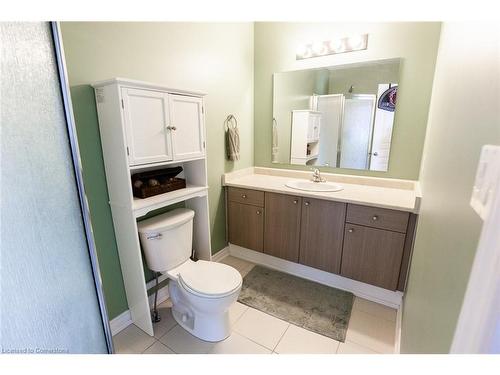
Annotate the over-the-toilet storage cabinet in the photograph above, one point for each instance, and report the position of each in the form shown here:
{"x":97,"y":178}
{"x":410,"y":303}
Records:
{"x":145,"y":126}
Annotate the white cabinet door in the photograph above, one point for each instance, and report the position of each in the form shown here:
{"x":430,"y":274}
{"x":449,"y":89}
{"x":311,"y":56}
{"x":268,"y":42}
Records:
{"x":146,"y":119}
{"x":186,"y":121}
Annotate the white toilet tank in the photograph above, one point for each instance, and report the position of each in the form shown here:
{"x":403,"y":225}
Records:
{"x":167,"y":239}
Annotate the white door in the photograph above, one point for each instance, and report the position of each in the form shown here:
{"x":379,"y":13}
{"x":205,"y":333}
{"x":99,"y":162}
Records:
{"x":186,"y":121}
{"x":146,"y":119}
{"x":382,"y":134}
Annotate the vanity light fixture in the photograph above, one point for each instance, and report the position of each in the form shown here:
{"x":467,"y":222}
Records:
{"x":331,"y":47}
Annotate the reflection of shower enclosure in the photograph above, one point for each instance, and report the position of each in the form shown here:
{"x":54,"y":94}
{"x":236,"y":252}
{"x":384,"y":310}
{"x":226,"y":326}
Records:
{"x":346,"y":129}
{"x":355,"y":132}
{"x":357,"y":129}
{"x":331,"y":108}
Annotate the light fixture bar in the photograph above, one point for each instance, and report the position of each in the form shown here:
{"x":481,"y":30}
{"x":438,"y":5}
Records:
{"x":332,"y":47}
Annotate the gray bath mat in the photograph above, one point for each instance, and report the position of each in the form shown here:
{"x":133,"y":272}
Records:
{"x":304,"y":303}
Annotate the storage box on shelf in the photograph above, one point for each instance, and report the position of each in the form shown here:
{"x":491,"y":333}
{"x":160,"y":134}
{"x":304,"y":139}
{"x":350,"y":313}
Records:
{"x":146,"y":127}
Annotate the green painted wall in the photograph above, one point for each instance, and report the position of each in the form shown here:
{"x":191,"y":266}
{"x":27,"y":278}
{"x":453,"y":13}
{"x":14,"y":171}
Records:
{"x":293,"y":92}
{"x":415,"y":42}
{"x":94,"y":177}
{"x":215,"y":58}
{"x":364,"y":79}
{"x":464,"y":115}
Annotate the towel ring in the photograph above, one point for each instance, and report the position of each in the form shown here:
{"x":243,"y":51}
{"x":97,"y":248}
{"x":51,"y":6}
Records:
{"x":230,"y":122}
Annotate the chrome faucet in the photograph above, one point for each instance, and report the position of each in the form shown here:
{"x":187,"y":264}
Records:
{"x":316,"y":177}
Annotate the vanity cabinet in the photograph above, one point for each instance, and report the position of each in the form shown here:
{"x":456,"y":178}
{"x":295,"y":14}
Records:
{"x":282,"y":226}
{"x":162,"y":127}
{"x":246,"y":218}
{"x":363,"y":243}
{"x":321,"y":233}
{"x":247,"y":225}
{"x":374,"y":242}
{"x":372,"y":255}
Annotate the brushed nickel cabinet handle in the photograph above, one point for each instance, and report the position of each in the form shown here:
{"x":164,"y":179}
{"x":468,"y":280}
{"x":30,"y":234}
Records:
{"x":258,"y":212}
{"x":295,"y":201}
{"x":243,"y":195}
{"x":375,"y":218}
{"x":174,"y":128}
{"x":306,"y":203}
{"x":350,"y":230}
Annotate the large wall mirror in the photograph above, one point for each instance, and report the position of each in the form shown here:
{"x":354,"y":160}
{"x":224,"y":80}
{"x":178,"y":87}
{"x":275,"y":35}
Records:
{"x":335,"y":116}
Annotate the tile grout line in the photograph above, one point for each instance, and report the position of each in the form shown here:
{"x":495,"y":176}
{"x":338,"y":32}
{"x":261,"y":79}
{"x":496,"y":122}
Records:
{"x":171,"y":328}
{"x":281,"y":338}
{"x":255,"y":342}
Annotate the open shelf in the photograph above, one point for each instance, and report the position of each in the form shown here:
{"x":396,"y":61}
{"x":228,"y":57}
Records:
{"x":311,"y":157}
{"x":163,"y":163}
{"x":142,"y":206}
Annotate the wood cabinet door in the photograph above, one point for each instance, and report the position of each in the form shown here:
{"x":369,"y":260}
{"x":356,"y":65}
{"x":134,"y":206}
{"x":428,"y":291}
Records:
{"x":321,"y":234}
{"x":372,"y":255}
{"x":146,"y":117}
{"x":282,"y":226}
{"x":187,"y":126}
{"x":246,"y":225}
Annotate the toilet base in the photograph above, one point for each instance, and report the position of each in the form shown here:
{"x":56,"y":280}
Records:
{"x":212,"y":326}
{"x":212,"y":329}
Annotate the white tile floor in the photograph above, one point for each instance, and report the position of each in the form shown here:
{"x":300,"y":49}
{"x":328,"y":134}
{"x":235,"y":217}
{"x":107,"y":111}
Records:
{"x":372,"y":330}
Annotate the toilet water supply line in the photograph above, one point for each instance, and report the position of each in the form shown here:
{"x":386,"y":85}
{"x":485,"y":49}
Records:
{"x":156,"y":315}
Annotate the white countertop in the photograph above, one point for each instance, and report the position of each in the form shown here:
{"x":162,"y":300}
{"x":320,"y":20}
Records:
{"x":389,"y":193}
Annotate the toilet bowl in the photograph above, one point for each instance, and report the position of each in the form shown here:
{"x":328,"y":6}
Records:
{"x":201,"y":292}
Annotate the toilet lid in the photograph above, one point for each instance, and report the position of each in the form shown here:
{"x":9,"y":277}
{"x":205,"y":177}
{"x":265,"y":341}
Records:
{"x":210,"y":279}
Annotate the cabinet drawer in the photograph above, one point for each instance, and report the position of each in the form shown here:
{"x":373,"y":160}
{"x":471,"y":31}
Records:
{"x":377,"y":217}
{"x":246,"y":196}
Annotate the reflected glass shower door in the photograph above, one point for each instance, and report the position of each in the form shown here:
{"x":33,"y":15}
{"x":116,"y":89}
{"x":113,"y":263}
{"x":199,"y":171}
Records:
{"x":49,"y":299}
{"x":357,"y":130}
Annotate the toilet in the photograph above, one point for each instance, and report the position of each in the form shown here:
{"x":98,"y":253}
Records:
{"x":201,"y":292}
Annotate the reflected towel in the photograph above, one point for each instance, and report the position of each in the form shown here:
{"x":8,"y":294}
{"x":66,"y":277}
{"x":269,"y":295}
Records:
{"x":274,"y":153}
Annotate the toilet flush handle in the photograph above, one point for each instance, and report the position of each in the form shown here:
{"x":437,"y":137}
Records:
{"x":155,"y":236}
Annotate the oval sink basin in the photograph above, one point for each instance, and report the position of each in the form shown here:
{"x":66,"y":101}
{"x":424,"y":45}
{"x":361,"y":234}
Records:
{"x":313,"y":186}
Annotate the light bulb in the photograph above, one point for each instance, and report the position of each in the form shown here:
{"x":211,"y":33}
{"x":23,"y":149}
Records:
{"x":355,"y":42}
{"x":318,"y":48}
{"x":301,"y":51}
{"x":336,"y":45}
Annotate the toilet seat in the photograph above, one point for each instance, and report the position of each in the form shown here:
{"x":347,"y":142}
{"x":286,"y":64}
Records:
{"x":207,"y":279}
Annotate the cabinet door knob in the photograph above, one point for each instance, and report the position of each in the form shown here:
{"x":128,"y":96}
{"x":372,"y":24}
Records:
{"x":295,"y":201}
{"x":174,"y":128}
{"x":168,"y":127}
{"x":350,"y":230}
{"x":258,"y":212}
{"x":243,"y":195}
{"x":374,"y":217}
{"x":306,"y":203}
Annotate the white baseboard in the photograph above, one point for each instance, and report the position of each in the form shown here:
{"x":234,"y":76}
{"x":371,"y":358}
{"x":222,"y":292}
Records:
{"x":123,"y":320}
{"x":221,"y":254}
{"x":369,"y":292}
